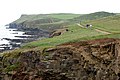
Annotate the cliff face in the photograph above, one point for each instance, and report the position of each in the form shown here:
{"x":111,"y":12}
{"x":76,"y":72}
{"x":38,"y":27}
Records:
{"x":40,"y":27}
{"x":86,"y":60}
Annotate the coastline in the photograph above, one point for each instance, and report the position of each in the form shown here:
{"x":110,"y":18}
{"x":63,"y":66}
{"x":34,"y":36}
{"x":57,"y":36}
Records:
{"x":13,"y":38}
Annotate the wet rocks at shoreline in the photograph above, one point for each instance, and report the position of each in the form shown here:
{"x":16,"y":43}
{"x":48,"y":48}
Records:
{"x":20,"y":36}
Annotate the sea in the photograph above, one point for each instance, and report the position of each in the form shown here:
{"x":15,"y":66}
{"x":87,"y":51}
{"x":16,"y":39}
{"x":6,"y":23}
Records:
{"x":7,"y":34}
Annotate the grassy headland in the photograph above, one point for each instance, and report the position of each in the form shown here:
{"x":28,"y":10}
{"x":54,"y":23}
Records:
{"x":105,"y":21}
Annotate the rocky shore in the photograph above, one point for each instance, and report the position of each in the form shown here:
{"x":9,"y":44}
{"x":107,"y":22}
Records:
{"x":26,"y":35}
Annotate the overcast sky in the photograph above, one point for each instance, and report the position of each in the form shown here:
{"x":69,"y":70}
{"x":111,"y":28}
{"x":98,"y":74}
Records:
{"x":11,"y":10}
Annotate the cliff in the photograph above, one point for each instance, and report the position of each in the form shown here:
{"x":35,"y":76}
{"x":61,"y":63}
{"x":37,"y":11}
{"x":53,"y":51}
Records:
{"x":85,"y":60}
{"x":39,"y":25}
{"x":42,"y":21}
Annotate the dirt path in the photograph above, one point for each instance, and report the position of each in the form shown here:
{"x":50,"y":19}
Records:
{"x":104,"y":32}
{"x":80,"y":25}
{"x":98,"y":30}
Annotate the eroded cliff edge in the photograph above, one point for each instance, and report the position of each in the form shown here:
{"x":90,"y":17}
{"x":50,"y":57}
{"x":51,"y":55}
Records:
{"x":85,"y":60}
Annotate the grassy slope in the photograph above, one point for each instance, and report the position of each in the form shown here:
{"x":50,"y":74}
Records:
{"x":110,"y":24}
{"x":75,"y":33}
{"x":92,"y":16}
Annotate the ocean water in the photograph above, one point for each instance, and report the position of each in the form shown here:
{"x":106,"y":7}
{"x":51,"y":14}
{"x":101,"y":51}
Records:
{"x":5,"y":32}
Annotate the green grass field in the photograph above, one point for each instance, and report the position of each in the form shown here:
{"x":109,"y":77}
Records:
{"x":92,"y":16}
{"x":110,"y":24}
{"x":64,"y":16}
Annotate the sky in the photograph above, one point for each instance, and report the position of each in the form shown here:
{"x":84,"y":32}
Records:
{"x":11,"y":10}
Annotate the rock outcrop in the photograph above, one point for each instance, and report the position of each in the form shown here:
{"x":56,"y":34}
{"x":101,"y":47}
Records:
{"x":85,"y":60}
{"x":58,"y":32}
